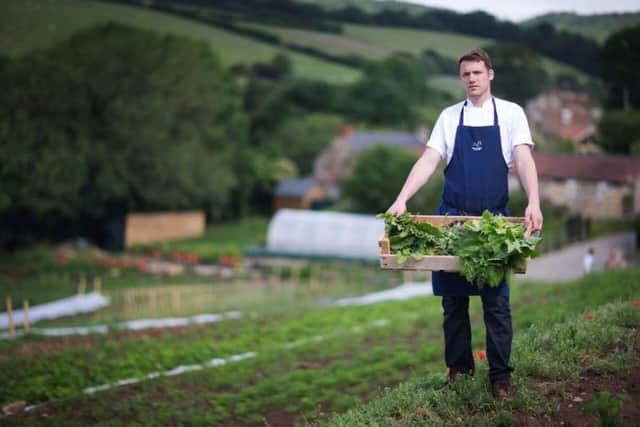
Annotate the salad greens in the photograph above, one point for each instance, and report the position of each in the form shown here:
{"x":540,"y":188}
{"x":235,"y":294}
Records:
{"x":490,"y":248}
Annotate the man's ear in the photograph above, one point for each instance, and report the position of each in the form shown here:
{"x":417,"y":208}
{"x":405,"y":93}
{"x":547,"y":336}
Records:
{"x":491,"y":74}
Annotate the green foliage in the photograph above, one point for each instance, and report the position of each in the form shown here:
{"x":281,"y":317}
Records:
{"x":154,"y":131}
{"x":519,"y":74}
{"x":421,"y":401}
{"x":619,"y":130}
{"x":322,"y":357}
{"x":621,"y":60}
{"x":302,"y":139}
{"x":564,"y":145}
{"x":377,"y":176}
{"x":597,"y":26}
{"x":389,"y":91}
{"x":608,"y":406}
{"x":490,"y":248}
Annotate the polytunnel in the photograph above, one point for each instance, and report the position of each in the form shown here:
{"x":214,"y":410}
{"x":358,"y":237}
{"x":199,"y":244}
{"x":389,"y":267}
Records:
{"x":324,"y":234}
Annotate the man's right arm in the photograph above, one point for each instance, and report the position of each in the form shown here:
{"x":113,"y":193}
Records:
{"x":419,"y":175}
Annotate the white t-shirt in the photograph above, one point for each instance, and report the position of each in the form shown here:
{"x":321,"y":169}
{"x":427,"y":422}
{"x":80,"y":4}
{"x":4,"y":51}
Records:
{"x":514,"y":128}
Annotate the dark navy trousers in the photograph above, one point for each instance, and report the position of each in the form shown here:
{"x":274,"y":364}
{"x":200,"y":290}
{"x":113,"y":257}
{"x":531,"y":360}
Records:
{"x":457,"y":334}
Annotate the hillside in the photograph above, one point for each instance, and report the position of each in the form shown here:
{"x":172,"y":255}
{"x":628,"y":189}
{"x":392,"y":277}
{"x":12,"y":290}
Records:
{"x":597,"y":27}
{"x":39,"y":24}
{"x":375,"y":42}
{"x":370,"y":6}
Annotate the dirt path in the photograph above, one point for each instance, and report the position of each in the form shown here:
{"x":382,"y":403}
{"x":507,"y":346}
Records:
{"x":566,"y":263}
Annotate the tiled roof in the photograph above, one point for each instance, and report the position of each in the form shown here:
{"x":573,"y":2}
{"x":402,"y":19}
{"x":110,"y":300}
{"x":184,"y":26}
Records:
{"x":296,"y":187}
{"x":618,"y":169}
{"x":361,"y":140}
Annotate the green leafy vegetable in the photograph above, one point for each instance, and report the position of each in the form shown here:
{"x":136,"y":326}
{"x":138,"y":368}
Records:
{"x":490,"y":248}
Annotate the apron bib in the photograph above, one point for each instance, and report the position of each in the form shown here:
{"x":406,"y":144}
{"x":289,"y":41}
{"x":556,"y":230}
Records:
{"x":475,"y":180}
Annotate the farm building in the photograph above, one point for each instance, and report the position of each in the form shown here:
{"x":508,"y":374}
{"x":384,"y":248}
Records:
{"x":298,"y":193}
{"x":592,"y":186}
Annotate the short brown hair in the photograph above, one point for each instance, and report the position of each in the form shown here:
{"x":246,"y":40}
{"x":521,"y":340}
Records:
{"x":477,"y":54}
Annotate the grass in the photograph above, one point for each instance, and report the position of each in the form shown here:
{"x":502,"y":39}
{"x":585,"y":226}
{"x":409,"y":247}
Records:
{"x":449,"y":45}
{"x":308,"y":363}
{"x":554,"y":354}
{"x":335,"y":44}
{"x":35,"y":24}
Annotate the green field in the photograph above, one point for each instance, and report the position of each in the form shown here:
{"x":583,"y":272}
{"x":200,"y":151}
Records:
{"x":32,"y":24}
{"x":289,"y":358}
{"x":335,"y":44}
{"x":446,"y":44}
{"x":370,"y":6}
{"x":597,"y":27}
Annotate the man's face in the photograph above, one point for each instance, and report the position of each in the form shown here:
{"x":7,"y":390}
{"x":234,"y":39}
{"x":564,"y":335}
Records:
{"x":476,"y":78}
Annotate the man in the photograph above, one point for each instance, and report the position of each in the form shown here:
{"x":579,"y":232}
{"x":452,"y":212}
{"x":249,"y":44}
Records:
{"x":481,"y":138}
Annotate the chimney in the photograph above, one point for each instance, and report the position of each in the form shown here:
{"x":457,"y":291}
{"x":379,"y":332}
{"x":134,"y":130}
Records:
{"x":345,"y":131}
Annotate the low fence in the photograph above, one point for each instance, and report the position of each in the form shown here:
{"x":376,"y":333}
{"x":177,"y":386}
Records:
{"x":153,"y":227}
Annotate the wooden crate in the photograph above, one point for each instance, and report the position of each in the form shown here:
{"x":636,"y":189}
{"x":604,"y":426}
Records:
{"x":430,"y":262}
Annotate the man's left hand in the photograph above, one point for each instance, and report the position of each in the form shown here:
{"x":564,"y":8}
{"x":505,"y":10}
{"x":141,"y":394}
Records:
{"x":533,"y":217}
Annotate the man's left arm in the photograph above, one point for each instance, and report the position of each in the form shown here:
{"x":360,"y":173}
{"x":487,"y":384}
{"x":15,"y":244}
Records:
{"x":526,"y":168}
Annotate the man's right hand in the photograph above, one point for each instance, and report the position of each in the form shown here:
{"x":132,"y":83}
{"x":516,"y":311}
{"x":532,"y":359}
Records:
{"x":397,"y":208}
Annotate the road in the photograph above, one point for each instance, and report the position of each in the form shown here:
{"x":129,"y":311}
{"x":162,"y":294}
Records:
{"x":566,"y":263}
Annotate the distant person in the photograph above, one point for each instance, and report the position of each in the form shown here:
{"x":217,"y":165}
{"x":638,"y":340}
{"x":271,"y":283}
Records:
{"x":480,"y":138}
{"x":587,"y":261}
{"x":616,"y":259}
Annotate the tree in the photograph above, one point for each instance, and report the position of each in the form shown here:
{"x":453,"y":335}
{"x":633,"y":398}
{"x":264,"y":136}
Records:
{"x":621,"y":61}
{"x":114,"y":120}
{"x":519,"y":72}
{"x":378,"y":176}
{"x":619,"y":130}
{"x":301,"y":139}
{"x":389,"y":92}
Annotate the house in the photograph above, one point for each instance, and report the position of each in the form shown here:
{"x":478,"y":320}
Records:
{"x":561,"y":114}
{"x":298,"y":193}
{"x":592,"y":186}
{"x":336,"y":162}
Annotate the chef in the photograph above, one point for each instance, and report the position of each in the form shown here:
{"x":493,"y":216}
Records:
{"x":480,"y":138}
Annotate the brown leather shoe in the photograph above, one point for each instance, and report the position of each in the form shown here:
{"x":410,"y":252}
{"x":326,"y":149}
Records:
{"x":454,"y":377}
{"x":502,"y":389}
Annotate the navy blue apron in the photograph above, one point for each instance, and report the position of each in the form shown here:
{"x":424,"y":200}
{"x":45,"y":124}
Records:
{"x":475,"y":180}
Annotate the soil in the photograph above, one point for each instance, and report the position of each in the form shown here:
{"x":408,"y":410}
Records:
{"x":577,"y":395}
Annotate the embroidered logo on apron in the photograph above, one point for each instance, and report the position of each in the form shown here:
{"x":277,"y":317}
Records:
{"x":477,"y":146}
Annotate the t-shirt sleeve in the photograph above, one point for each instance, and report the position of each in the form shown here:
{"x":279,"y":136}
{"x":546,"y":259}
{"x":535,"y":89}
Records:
{"x":436,"y":139}
{"x":520,"y":130}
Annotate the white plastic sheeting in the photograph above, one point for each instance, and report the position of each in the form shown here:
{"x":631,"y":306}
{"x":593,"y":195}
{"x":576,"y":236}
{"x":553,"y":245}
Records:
{"x":63,"y":307}
{"x":399,"y":293}
{"x":134,"y":325}
{"x":325,"y":234}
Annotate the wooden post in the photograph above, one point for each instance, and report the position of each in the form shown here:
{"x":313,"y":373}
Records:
{"x":25,"y":316}
{"x":97,"y":285}
{"x":12,"y":329}
{"x":405,"y":276}
{"x":82,"y":285}
{"x":175,"y":300}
